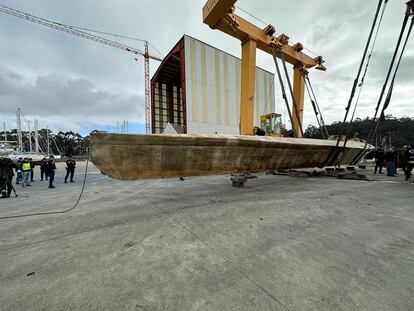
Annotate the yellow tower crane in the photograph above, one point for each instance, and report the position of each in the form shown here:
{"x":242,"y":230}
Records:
{"x":220,"y":14}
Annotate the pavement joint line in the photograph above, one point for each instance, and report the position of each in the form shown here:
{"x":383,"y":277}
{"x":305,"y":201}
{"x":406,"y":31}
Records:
{"x":74,"y":235}
{"x":393,"y":216}
{"x":220,"y":255}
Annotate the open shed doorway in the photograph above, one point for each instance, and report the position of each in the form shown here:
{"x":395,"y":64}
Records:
{"x":168,"y":93}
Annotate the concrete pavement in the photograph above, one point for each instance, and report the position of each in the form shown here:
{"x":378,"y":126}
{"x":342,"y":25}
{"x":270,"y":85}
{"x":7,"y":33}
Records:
{"x":279,"y":243}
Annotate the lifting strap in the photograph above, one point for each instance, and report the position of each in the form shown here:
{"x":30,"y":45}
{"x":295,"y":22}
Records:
{"x":361,"y":85}
{"x":275,"y":53}
{"x":409,"y":12}
{"x":316,"y":109}
{"x":380,"y":2}
{"x":334,"y":154}
{"x":407,"y":15}
{"x":282,"y":86}
{"x":390,"y":89}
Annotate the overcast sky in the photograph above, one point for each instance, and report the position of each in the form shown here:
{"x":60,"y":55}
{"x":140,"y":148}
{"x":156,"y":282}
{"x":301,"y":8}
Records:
{"x":71,"y":83}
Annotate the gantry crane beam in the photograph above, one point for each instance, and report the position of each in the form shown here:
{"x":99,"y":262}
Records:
{"x":219,"y":14}
{"x":74,"y":31}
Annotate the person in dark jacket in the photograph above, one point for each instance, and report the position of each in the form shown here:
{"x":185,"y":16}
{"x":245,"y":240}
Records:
{"x":70,"y":169}
{"x":31,"y":169}
{"x":410,"y":162}
{"x":404,"y":160}
{"x":389,"y":157}
{"x":3,"y":178}
{"x":8,"y":173}
{"x":19,"y":171}
{"x":50,"y":170}
{"x":379,"y":159}
{"x":43,"y":165}
{"x":396,"y":161}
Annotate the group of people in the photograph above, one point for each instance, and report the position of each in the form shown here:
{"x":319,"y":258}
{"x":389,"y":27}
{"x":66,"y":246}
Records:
{"x":392,"y":159}
{"x":24,"y":168}
{"x":25,"y":171}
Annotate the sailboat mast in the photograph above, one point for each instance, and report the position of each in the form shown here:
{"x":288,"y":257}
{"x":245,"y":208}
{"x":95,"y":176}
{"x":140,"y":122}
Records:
{"x":5,"y":133}
{"x":36,"y":125}
{"x":47,"y":137}
{"x":29,"y":136}
{"x":19,"y":130}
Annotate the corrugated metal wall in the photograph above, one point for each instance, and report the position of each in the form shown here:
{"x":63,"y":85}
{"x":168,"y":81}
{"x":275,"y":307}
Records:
{"x":213,"y":80}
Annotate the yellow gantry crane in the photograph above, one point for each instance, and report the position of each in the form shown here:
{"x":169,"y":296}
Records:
{"x":220,"y":14}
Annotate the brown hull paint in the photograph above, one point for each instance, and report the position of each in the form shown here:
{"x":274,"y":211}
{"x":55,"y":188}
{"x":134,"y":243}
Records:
{"x":134,"y":156}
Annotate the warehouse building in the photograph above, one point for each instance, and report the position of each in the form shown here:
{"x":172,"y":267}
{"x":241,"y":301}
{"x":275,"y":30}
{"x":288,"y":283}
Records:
{"x":196,"y":90}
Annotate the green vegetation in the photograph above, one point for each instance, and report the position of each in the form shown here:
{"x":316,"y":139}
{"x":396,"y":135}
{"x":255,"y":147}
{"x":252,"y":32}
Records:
{"x":398,"y":131}
{"x":63,"y":143}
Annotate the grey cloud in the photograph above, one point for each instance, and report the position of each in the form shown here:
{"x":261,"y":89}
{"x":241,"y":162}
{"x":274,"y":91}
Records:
{"x":53,"y":95}
{"x":51,"y":73}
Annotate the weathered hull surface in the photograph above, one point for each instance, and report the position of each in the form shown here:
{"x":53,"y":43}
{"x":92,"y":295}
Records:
{"x":132,"y":156}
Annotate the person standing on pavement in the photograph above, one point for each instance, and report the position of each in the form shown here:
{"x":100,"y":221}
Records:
{"x":389,"y":157}
{"x":70,"y":169}
{"x":19,"y":171}
{"x":3,"y":178}
{"x":396,"y":162}
{"x":31,"y":169}
{"x":379,"y":159}
{"x":43,"y":165}
{"x":50,"y":170}
{"x":410,"y":162}
{"x":9,"y":173}
{"x":26,"y":172}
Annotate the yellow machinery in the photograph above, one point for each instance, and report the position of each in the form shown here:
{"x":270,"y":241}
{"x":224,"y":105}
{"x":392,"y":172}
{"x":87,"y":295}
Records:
{"x":220,"y":14}
{"x":271,"y":123}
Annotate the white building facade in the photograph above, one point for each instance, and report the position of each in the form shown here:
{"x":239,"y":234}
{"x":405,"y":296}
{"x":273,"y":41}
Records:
{"x":198,"y":87}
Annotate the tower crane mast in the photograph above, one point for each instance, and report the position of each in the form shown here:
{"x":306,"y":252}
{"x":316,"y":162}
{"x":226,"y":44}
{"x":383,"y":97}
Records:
{"x":83,"y":34}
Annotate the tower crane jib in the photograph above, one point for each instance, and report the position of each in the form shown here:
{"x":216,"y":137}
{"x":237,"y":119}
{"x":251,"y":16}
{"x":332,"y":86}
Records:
{"x":83,"y":34}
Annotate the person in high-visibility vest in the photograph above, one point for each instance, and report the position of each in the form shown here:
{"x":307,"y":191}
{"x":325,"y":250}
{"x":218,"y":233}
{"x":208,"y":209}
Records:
{"x":26,"y":172}
{"x":410,"y":162}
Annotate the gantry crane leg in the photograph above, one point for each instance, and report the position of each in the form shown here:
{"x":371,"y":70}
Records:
{"x":248,"y":77}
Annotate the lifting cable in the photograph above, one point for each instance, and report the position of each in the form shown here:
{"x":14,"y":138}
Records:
{"x":409,"y":12}
{"x":361,"y":85}
{"x":316,"y":109}
{"x":295,"y":108}
{"x":334,"y":154}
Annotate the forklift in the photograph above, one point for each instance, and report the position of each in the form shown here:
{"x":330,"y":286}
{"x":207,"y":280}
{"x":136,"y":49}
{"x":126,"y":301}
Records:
{"x":271,"y":123}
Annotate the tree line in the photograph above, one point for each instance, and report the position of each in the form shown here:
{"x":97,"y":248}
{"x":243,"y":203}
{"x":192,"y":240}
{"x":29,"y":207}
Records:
{"x":63,"y":143}
{"x":396,"y":132}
